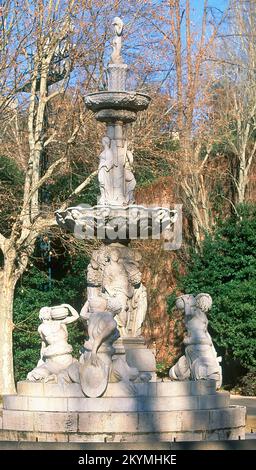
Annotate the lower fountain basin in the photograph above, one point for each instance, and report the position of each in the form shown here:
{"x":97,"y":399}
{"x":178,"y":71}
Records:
{"x":110,"y":222}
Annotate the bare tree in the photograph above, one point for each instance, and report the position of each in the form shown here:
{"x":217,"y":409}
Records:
{"x":237,"y":88}
{"x":49,"y":39}
{"x":189,"y":83}
{"x":45,"y":57}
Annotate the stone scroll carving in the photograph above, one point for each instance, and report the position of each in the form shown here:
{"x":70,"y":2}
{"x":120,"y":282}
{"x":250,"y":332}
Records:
{"x":200,"y":360}
{"x":55,"y":350}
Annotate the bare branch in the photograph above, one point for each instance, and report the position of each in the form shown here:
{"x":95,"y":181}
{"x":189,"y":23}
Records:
{"x":2,"y":241}
{"x":79,"y":188}
{"x":46,"y":176}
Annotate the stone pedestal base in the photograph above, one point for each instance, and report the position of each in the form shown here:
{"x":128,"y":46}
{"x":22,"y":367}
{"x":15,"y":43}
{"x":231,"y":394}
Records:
{"x":136,"y":353}
{"x":140,"y":412}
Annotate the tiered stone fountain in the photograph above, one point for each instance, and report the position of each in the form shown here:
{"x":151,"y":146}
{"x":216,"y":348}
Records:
{"x":112,"y":392}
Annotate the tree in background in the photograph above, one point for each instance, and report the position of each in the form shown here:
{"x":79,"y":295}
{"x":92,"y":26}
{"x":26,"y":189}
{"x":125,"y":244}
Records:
{"x":31,"y":294}
{"x":189,"y":84}
{"x":46,"y":52}
{"x":237,"y":94}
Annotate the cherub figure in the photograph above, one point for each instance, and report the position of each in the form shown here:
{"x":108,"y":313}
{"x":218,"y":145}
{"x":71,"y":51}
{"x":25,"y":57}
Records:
{"x":55,"y":351}
{"x":200,"y":360}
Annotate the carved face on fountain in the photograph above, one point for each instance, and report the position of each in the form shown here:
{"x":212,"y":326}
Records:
{"x":204,"y":302}
{"x":106,"y":141}
{"x":185,"y":303}
{"x":118,"y":25}
{"x":45,"y":313}
{"x":191,"y":305}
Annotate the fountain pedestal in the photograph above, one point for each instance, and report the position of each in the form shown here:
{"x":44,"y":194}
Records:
{"x":138,"y":412}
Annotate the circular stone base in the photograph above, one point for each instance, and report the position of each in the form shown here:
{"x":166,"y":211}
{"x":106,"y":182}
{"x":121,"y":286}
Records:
{"x":140,"y":412}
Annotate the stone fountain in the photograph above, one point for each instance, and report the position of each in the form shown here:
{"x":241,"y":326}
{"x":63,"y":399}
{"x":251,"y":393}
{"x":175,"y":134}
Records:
{"x":112,"y":394}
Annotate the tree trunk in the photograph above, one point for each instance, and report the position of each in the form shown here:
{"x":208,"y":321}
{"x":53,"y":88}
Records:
{"x":242,"y":182}
{"x":7,"y":289}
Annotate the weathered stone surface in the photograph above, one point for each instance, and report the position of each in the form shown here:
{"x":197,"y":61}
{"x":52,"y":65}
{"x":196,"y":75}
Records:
{"x":24,"y":436}
{"x":48,"y":390}
{"x":133,"y":438}
{"x":54,"y":422}
{"x":219,"y":400}
{"x":30,"y":388}
{"x":107,"y":422}
{"x":47,"y":404}
{"x":233,"y":416}
{"x":15,"y":402}
{"x":18,"y":420}
{"x":166,"y":388}
{"x":103,"y":426}
{"x":103,"y":404}
{"x":132,"y":403}
{"x":67,"y":390}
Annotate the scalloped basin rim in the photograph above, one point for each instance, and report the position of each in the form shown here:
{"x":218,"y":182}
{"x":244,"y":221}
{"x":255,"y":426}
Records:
{"x":108,"y":92}
{"x":120,"y":100}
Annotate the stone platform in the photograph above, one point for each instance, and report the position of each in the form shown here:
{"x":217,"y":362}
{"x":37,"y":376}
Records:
{"x":140,"y":412}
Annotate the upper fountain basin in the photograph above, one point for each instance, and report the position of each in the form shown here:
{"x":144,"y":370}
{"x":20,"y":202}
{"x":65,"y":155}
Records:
{"x":110,"y":106}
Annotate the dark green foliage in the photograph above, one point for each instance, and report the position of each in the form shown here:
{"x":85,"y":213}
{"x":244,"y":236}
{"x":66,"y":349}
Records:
{"x":247,"y":385}
{"x":146,"y":174}
{"x":30,"y":297}
{"x":10,"y":172}
{"x":162,"y":369}
{"x":65,"y":184}
{"x":226,"y":269}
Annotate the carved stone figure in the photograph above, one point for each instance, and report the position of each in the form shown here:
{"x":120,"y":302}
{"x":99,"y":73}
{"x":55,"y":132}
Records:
{"x":139,"y":309}
{"x":115,"y":284}
{"x":113,"y":274}
{"x":55,"y":350}
{"x":200,"y":360}
{"x":96,"y":367}
{"x":130,"y":182}
{"x":116,"y":57}
{"x":105,"y":174}
{"x":96,"y":360}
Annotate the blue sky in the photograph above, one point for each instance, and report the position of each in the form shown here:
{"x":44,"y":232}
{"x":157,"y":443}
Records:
{"x":221,"y":4}
{"x":197,"y":7}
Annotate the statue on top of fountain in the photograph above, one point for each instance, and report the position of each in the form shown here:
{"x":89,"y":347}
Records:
{"x":116,"y":57}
